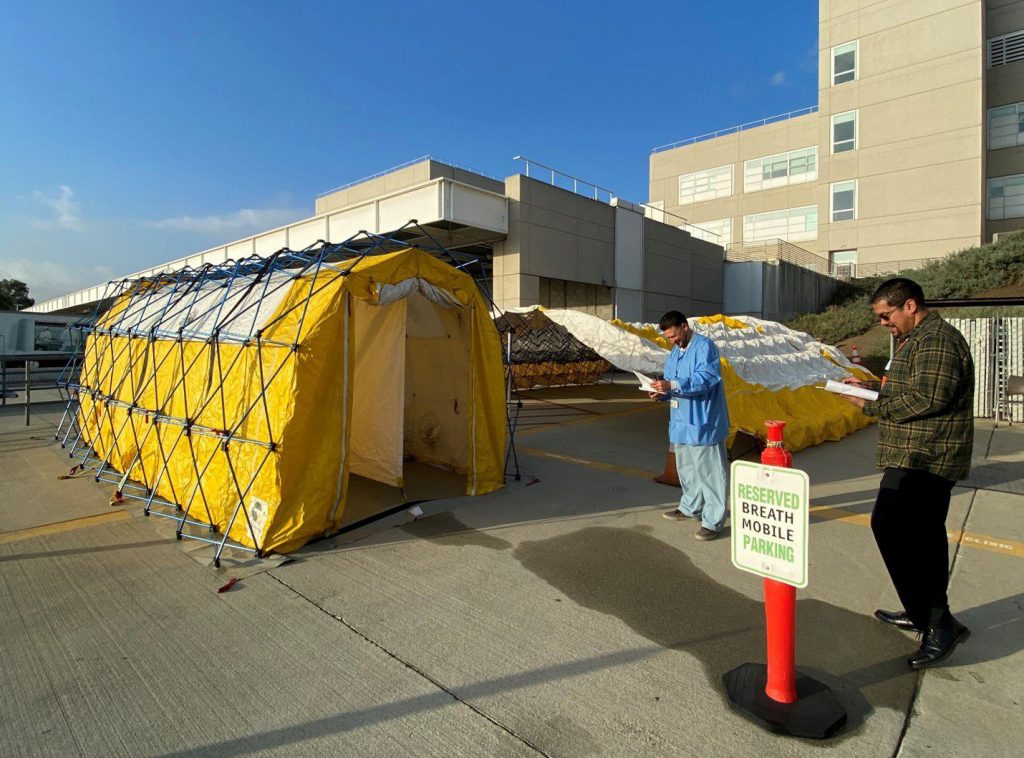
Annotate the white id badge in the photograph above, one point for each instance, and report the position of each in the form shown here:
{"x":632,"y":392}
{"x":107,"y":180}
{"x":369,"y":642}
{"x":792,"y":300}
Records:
{"x":888,"y":365}
{"x":673,"y":403}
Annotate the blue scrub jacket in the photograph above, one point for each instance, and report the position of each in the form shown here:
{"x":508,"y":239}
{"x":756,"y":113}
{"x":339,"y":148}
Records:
{"x":700,"y":416}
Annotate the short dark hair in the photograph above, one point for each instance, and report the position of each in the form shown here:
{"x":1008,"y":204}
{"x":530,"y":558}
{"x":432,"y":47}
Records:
{"x":898,"y":291}
{"x":672,"y":318}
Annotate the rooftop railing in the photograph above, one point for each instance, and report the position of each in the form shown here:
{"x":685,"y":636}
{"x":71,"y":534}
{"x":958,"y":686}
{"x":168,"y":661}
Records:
{"x":413,"y":162}
{"x":738,"y":128}
{"x":779,"y":250}
{"x":556,"y":178}
{"x":542,"y":172}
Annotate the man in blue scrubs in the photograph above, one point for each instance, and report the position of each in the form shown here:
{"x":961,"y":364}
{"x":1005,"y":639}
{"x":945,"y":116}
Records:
{"x":698,"y":424}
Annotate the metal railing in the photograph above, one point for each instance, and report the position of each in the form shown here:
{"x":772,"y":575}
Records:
{"x":557,"y":178}
{"x":22,"y":374}
{"x":413,"y":162}
{"x":779,"y":250}
{"x":865,"y":270}
{"x":737,"y":128}
{"x":561,"y":179}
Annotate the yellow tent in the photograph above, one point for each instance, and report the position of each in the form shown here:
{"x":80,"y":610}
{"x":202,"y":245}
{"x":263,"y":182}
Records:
{"x":246,"y":396}
{"x":811,"y":416}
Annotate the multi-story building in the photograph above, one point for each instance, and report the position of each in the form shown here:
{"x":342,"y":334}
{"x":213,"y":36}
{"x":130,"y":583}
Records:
{"x":914,"y":150}
{"x":554,"y":241}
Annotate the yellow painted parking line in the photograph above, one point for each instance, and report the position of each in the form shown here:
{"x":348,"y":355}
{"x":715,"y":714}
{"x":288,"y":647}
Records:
{"x":835,"y":513}
{"x":968,"y":539}
{"x":829,"y":512}
{"x":989,"y":543}
{"x":62,"y":526}
{"x":597,"y":465}
{"x":589,"y":419}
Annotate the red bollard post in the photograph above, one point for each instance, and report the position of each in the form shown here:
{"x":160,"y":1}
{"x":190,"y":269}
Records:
{"x":779,"y":598}
{"x":775,"y":696}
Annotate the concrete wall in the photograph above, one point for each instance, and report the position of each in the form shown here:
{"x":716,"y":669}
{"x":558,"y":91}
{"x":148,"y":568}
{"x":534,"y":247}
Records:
{"x":397,"y":180}
{"x":560,"y":242}
{"x":791,"y":289}
{"x":555,"y":234}
{"x":595,"y":299}
{"x":775,"y":291}
{"x":744,"y":289}
{"x":680,"y":273}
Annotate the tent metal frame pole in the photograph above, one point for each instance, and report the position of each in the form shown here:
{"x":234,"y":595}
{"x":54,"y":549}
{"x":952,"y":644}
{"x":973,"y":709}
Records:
{"x":115,"y":378}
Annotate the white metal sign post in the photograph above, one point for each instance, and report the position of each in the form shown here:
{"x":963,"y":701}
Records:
{"x":770,"y":516}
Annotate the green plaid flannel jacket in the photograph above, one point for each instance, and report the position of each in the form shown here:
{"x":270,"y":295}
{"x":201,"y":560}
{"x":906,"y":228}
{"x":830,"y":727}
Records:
{"x":926,"y":407}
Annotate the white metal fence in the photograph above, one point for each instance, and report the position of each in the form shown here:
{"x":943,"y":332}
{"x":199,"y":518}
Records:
{"x":997,"y":345}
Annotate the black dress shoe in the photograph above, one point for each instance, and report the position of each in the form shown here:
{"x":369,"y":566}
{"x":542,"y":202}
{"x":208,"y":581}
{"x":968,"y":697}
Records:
{"x":939,"y":643}
{"x":896,"y":618}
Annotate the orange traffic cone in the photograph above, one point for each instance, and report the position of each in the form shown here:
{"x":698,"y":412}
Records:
{"x":854,"y":355}
{"x":669,"y":476}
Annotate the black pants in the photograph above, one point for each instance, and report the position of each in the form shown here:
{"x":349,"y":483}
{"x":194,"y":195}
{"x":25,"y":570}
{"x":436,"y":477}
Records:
{"x":909,"y":523}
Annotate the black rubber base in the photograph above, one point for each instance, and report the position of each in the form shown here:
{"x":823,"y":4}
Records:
{"x":816,"y":713}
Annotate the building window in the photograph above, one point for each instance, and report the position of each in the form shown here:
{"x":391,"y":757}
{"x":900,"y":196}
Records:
{"x":1006,"y":126}
{"x":844,"y":63}
{"x":705,"y":185}
{"x":779,"y":170}
{"x":1006,"y":197}
{"x":719,"y":232}
{"x":1007,"y":48}
{"x":843,"y":263}
{"x":792,"y":225}
{"x":844,"y":132}
{"x":844,"y":201}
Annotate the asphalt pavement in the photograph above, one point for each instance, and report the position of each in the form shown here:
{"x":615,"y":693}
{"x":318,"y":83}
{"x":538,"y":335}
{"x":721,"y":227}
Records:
{"x":561,"y":616}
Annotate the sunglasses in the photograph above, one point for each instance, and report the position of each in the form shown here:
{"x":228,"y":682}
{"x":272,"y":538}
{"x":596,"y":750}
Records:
{"x":887,"y":315}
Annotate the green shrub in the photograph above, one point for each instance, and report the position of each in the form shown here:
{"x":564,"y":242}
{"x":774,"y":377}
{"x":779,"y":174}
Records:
{"x":959,"y":275}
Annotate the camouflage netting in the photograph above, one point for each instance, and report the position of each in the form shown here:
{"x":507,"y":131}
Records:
{"x":545,"y":354}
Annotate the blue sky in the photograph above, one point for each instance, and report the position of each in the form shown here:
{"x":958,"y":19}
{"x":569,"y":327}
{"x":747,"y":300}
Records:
{"x":133,"y":133}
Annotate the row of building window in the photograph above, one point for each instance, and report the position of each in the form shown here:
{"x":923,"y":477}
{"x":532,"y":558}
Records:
{"x":1005,"y":129}
{"x":1005,"y":195}
{"x":767,"y":172}
{"x":1005,"y":200}
{"x":791,"y":224}
{"x":1006,"y":48}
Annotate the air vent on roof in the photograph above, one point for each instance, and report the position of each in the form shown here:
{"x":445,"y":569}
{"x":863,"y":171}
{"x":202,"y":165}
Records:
{"x":1006,"y":49}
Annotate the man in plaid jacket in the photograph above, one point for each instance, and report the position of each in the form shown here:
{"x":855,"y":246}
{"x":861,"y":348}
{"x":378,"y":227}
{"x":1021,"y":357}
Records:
{"x":926,"y":432}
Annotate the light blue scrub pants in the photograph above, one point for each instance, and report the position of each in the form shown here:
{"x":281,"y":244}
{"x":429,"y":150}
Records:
{"x":704,"y":475}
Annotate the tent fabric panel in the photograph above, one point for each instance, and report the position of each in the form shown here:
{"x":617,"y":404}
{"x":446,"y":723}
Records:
{"x":768,"y":370}
{"x":487,"y":423}
{"x":378,"y":391}
{"x":437,"y":368}
{"x":312,"y":439}
{"x":366,"y":277}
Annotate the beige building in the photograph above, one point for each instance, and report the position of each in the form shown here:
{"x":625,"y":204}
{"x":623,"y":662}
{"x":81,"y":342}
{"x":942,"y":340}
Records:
{"x":914,"y":150}
{"x":539,"y":242}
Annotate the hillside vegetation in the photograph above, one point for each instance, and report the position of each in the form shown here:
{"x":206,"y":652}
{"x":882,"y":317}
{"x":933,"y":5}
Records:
{"x":971,"y":272}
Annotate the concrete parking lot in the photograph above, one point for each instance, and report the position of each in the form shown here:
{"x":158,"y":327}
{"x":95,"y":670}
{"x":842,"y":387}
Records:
{"x":561,"y":616}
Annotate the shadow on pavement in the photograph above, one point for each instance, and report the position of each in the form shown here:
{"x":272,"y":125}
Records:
{"x":657,"y":591}
{"x":81,"y":550}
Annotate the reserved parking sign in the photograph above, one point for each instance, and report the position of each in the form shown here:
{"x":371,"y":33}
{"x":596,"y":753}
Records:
{"x":770,"y":508}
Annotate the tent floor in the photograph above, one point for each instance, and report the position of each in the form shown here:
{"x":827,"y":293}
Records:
{"x":422,"y":482}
